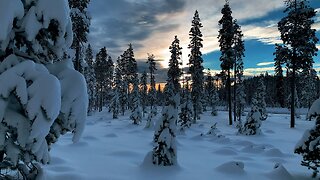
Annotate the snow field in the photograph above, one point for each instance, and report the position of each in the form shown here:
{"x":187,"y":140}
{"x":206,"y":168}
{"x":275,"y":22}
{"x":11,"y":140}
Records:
{"x":116,"y":149}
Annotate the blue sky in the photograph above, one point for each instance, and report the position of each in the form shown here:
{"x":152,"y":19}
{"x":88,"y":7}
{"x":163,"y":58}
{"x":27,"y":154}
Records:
{"x":150,"y":25}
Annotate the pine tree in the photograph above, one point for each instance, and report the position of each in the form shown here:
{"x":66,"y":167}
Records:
{"x":136,"y":113}
{"x":281,"y":55}
{"x":115,"y":102}
{"x":253,"y":122}
{"x":309,"y":144}
{"x":100,"y":68}
{"x":122,"y":85}
{"x":90,"y":78}
{"x":152,"y":92}
{"x":174,"y":71}
{"x":239,"y":94}
{"x":260,"y":97}
{"x":308,"y":94}
{"x":299,"y":40}
{"x":211,"y":94}
{"x":195,"y":65}
{"x":130,"y":70}
{"x":165,"y":151}
{"x":80,"y":27}
{"x":109,"y":73}
{"x":186,"y":112}
{"x":143,"y":91}
{"x":226,"y":37}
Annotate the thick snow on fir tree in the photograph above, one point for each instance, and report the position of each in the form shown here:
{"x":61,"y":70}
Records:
{"x":309,"y":144}
{"x":34,"y":36}
{"x":165,"y":149}
{"x":253,"y":121}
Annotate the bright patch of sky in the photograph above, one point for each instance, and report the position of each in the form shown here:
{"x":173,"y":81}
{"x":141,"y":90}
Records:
{"x":151,"y":26}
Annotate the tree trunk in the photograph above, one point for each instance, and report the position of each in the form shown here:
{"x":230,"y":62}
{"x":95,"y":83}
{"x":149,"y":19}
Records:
{"x":77,"y":63}
{"x":234,"y":94}
{"x":292,"y":122}
{"x":229,"y":97}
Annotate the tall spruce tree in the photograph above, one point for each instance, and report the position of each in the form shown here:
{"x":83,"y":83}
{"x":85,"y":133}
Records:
{"x":211,"y":94}
{"x":281,"y":55}
{"x":195,"y":65}
{"x":130,"y":70}
{"x":186,"y":112}
{"x":80,"y":27}
{"x":226,"y":38}
{"x":260,"y":97}
{"x":299,"y":40}
{"x":100,"y":67}
{"x":152,"y":91}
{"x":239,"y":94}
{"x":174,"y":71}
{"x":164,"y":152}
{"x":108,"y":80}
{"x":144,"y":91}
{"x":136,"y":113}
{"x":90,"y":78}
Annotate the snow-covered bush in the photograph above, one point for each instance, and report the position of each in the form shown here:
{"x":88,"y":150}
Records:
{"x":136,"y":113}
{"x":253,"y":122}
{"x":165,"y":151}
{"x":39,"y":98}
{"x":309,"y":144}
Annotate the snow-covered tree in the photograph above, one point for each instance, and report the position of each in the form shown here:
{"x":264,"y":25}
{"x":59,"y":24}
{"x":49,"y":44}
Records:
{"x":80,"y":26}
{"x":299,"y":40}
{"x":308,"y":95}
{"x":211,"y":94}
{"x":186,"y":109}
{"x":136,"y":112}
{"x":143,"y":92}
{"x":226,"y":37}
{"x":165,"y":150}
{"x":195,"y":65}
{"x":115,"y":101}
{"x":174,"y":71}
{"x":130,"y":70}
{"x":260,"y":97}
{"x":34,"y":39}
{"x":122,"y":84}
{"x":253,"y":121}
{"x":152,"y":95}
{"x":152,"y":68}
{"x":90,"y":78}
{"x":309,"y":144}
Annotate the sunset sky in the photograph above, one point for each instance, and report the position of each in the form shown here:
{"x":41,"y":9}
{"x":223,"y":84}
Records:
{"x":150,"y":25}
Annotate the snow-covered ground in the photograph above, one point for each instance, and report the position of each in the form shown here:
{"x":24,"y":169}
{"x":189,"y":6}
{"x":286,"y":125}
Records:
{"x":115,"y":150}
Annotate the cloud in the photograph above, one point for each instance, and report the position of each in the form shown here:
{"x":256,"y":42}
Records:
{"x":265,"y":63}
{"x":257,"y":71}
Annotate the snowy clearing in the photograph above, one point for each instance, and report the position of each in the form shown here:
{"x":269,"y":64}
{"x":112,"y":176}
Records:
{"x":115,"y":150}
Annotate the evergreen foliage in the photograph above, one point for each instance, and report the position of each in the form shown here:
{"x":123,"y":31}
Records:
{"x":226,"y":38}
{"x":195,"y":65}
{"x":299,"y":41}
{"x":80,"y":27}
{"x":90,"y":78}
{"x":309,"y":144}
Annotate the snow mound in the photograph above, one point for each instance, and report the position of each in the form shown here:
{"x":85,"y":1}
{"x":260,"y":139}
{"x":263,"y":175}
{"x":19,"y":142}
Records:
{"x":226,"y":151}
{"x":274,"y":152}
{"x":232,"y":167}
{"x":314,"y":109}
{"x":279,"y":172}
{"x":255,"y":149}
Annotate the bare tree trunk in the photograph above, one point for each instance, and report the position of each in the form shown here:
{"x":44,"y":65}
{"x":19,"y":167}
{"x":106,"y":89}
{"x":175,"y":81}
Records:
{"x":229,"y":97}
